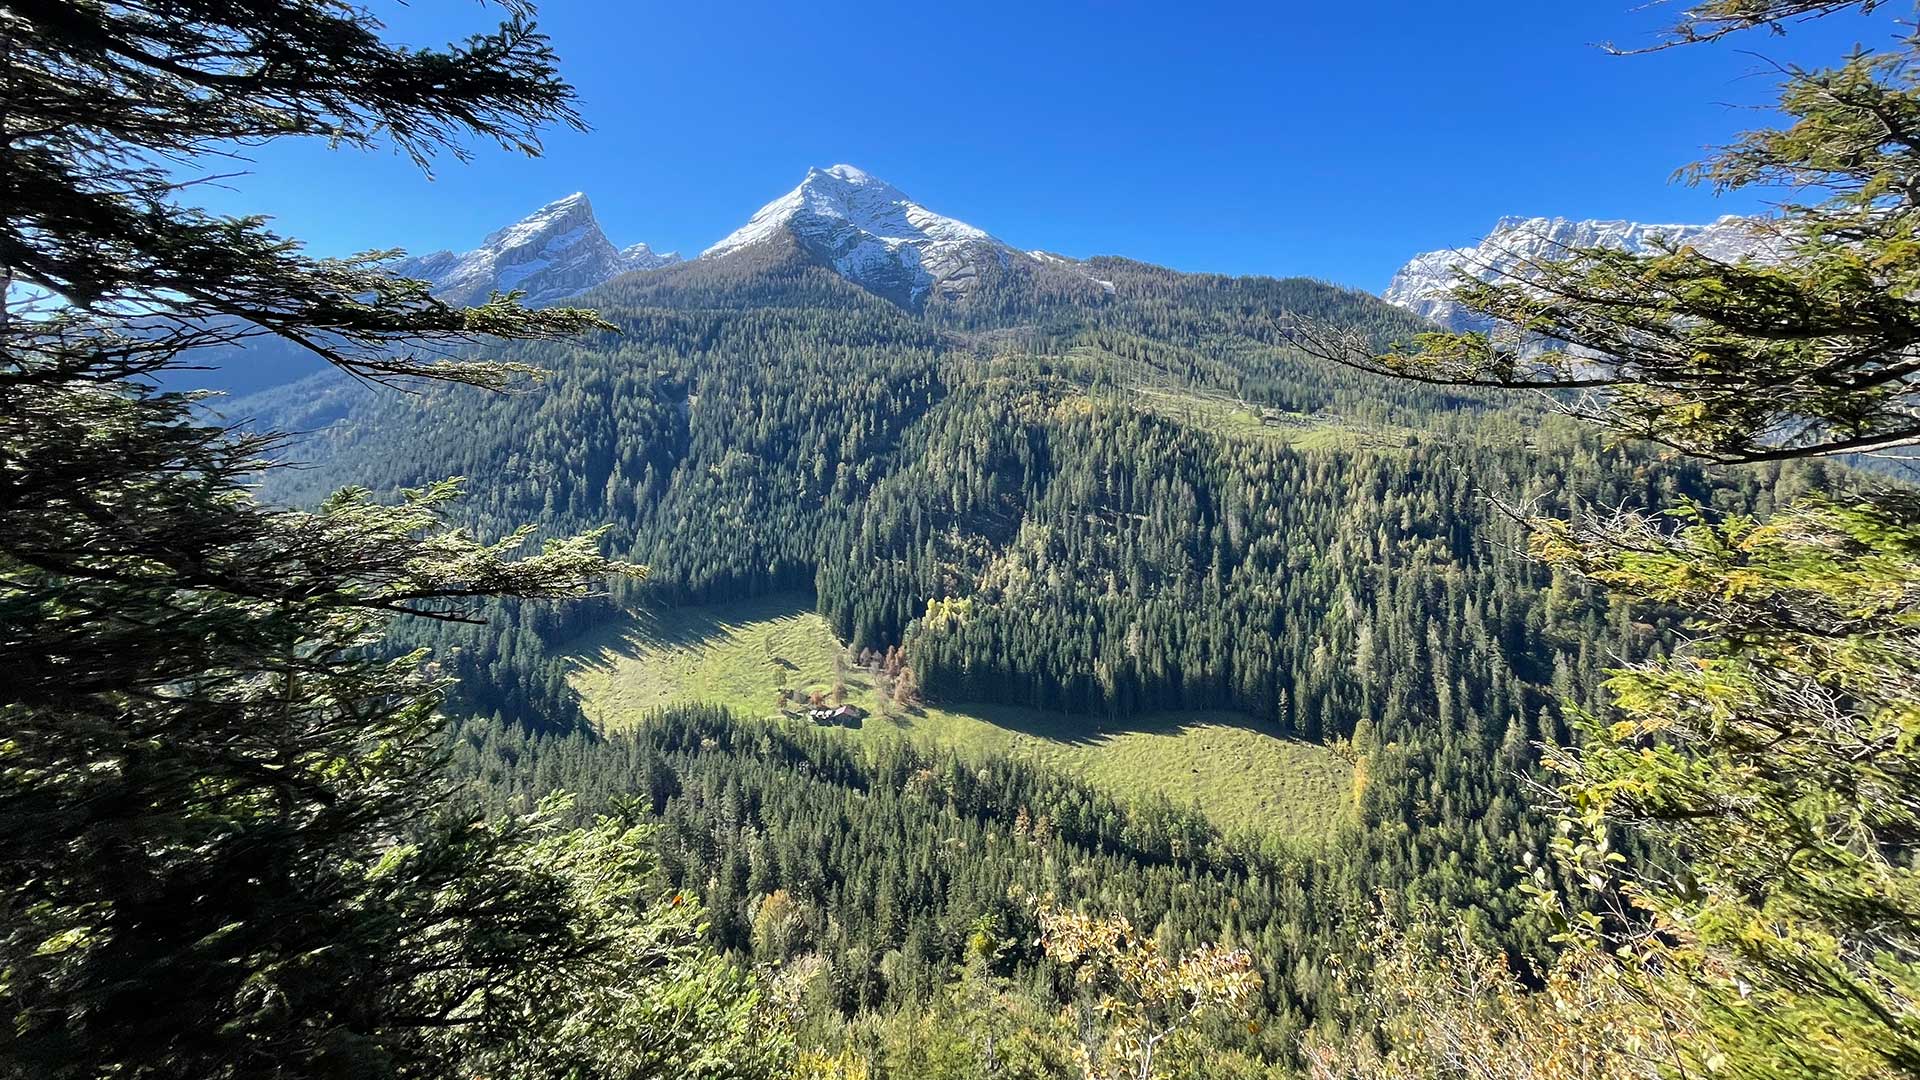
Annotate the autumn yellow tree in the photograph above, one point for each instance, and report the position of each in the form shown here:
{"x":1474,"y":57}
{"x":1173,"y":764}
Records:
{"x":1441,"y":1005}
{"x":1148,"y":1001}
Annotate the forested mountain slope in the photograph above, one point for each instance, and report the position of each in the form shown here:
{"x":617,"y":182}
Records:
{"x":1049,"y":667}
{"x":896,"y":866}
{"x":814,"y":435}
{"x":1097,"y":488}
{"x":1046,"y":460}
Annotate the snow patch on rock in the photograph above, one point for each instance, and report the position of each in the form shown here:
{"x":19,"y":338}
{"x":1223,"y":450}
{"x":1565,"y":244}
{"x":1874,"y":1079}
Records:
{"x":555,"y":252}
{"x":1423,"y":284}
{"x":873,"y":234}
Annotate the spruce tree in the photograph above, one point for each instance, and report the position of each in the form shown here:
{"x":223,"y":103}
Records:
{"x":226,"y":845}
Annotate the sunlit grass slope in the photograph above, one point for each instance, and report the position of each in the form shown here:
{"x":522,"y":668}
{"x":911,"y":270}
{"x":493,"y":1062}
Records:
{"x":741,"y":654}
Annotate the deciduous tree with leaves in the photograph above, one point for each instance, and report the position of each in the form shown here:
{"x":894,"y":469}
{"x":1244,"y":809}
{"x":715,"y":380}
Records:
{"x":1148,"y":1001}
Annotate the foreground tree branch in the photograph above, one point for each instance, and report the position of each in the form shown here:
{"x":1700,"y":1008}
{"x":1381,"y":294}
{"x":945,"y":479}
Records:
{"x":227,"y":847}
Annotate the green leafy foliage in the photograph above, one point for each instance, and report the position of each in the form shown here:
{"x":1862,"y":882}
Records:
{"x":1150,"y":1002}
{"x":1770,"y":928}
{"x":1442,"y":1005}
{"x":1710,"y":20}
{"x":642,"y":994}
{"x":1775,"y":758}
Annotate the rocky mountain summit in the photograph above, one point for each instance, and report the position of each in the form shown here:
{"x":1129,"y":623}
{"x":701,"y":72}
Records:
{"x":875,"y":236}
{"x":1423,"y":284}
{"x":556,"y":252}
{"x":865,"y":229}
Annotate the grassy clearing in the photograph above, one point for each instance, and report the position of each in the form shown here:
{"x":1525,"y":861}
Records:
{"x":739,"y":654}
{"x":1236,"y":419}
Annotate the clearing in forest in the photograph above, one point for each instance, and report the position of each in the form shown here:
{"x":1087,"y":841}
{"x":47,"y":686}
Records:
{"x":740,"y":654}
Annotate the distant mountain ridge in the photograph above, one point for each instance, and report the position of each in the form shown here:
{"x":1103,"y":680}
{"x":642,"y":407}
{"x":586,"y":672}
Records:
{"x":1423,"y":284}
{"x":842,"y":219}
{"x":553,"y":254}
{"x":863,"y":228}
{"x":556,"y":252}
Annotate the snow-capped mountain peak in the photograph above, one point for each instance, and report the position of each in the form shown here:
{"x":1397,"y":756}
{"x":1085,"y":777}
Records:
{"x":565,"y":218}
{"x":1424,"y":283}
{"x":555,"y":252}
{"x":642,"y":257}
{"x":874,"y":235}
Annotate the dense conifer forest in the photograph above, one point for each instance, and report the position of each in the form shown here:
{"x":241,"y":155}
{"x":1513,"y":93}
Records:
{"x":1097,"y":543}
{"x":1620,"y":665}
{"x":1040,"y":497}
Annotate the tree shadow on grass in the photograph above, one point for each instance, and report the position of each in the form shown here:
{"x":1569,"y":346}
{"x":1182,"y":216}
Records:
{"x":689,"y":629}
{"x":1084,"y":729}
{"x":686,"y":628}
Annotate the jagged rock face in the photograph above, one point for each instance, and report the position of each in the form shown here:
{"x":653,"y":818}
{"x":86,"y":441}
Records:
{"x":1422,"y":285}
{"x":556,"y":252}
{"x":872,"y":234}
{"x":642,"y":257}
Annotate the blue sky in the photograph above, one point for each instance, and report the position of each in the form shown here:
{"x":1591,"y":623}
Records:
{"x":1326,"y":139}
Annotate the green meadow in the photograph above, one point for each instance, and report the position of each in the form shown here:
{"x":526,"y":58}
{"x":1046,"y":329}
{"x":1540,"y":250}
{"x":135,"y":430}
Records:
{"x":742,"y":654}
